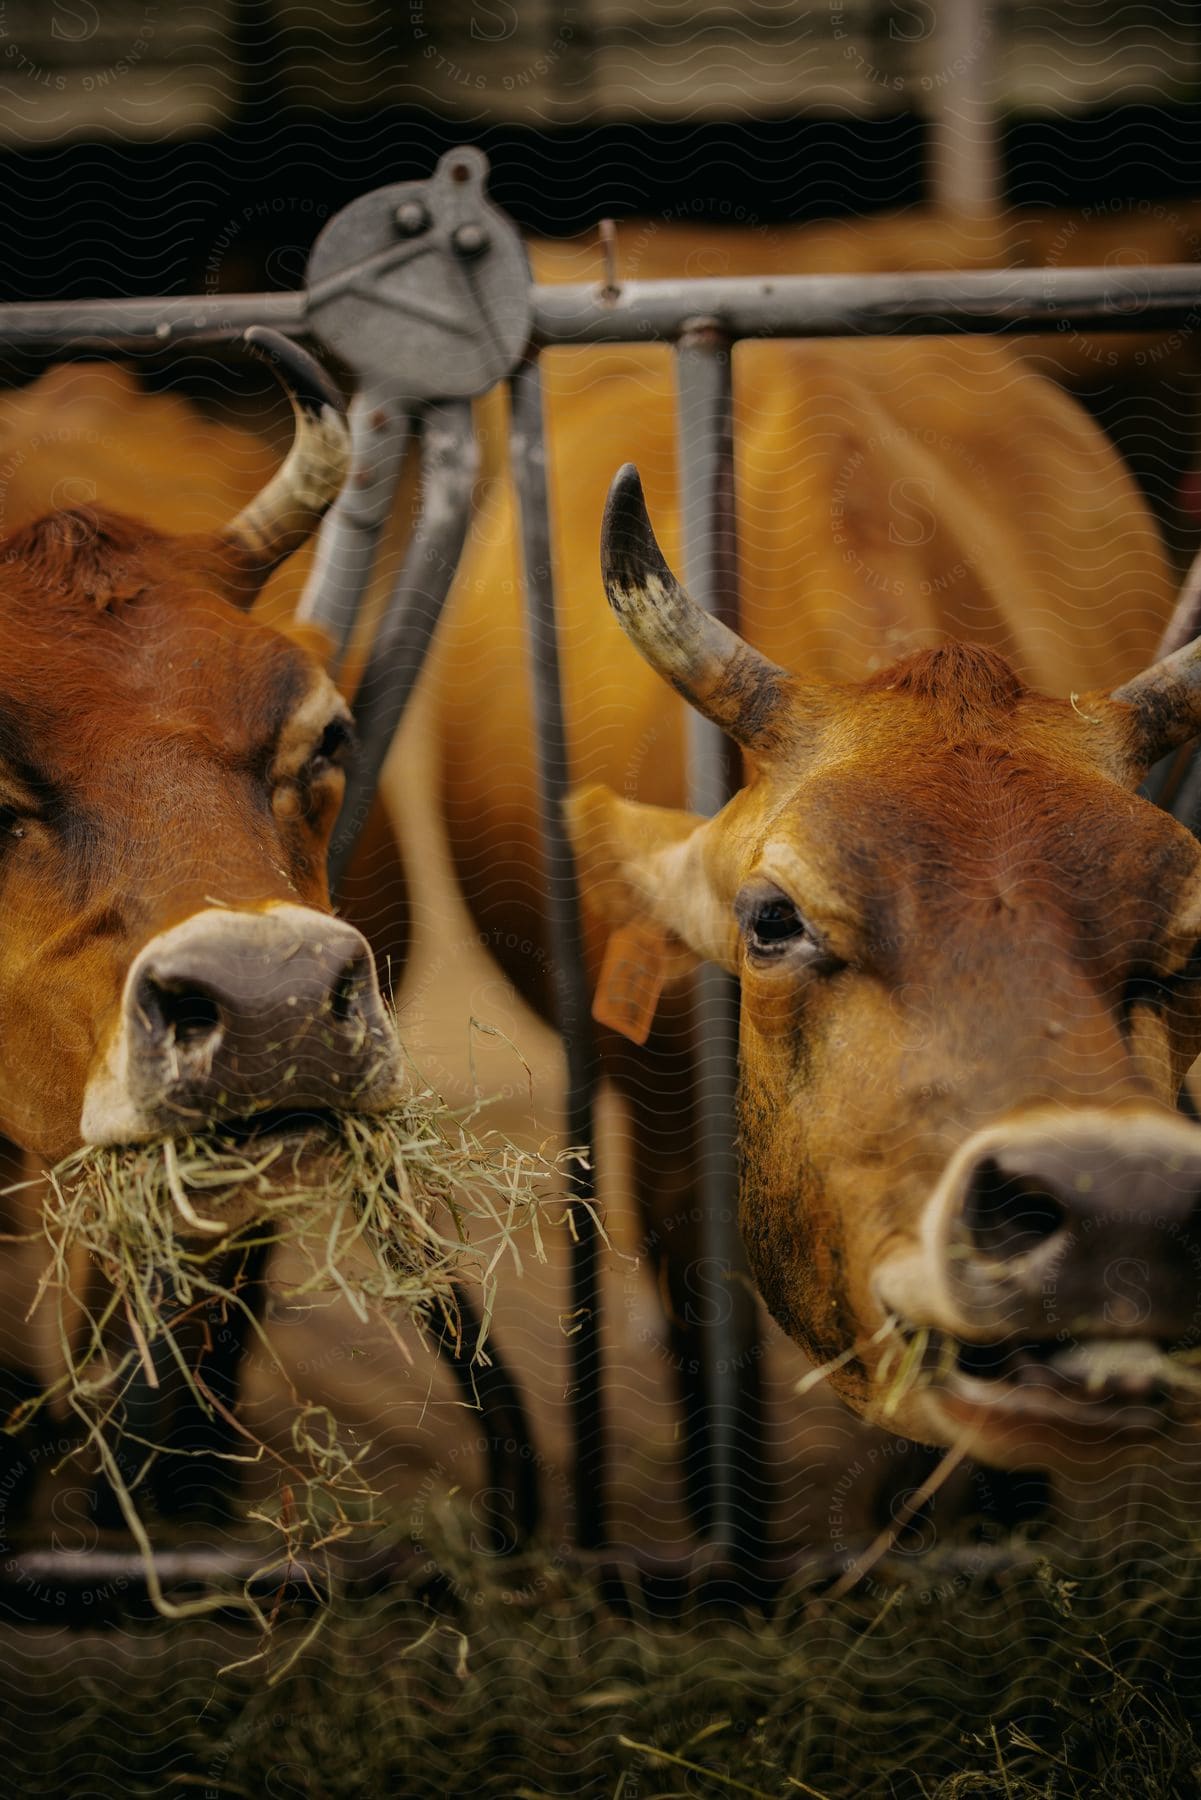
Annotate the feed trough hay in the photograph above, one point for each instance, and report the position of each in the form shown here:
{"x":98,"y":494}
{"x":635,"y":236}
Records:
{"x":1019,"y":1687}
{"x":149,"y":1247}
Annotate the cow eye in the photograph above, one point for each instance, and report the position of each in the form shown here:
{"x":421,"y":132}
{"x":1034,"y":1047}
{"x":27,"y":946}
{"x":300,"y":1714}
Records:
{"x":776,"y":922}
{"x":334,"y":748}
{"x":772,"y":925}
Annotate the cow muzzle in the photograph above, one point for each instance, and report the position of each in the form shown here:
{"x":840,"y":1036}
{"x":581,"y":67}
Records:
{"x":230,"y":1015}
{"x":1057,"y":1286}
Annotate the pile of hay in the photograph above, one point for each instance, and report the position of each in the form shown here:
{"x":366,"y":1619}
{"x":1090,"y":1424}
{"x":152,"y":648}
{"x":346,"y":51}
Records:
{"x":1023,"y":1687}
{"x":389,"y":1213}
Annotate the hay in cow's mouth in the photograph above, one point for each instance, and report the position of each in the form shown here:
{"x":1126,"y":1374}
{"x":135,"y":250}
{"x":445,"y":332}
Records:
{"x":1076,"y":1376}
{"x":1087,"y":1372}
{"x":417,"y":1186}
{"x":394,"y":1213}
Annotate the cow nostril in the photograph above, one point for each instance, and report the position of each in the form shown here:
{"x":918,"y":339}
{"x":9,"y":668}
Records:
{"x":188,"y":1015}
{"x":1008,"y":1215}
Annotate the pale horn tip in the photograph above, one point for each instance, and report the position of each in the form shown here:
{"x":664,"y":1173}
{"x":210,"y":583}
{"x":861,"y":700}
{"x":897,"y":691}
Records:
{"x":290,"y":508}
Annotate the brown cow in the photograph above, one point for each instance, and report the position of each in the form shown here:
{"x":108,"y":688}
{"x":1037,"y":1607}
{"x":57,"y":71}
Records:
{"x":170,"y":772}
{"x":891,"y":495}
{"x":968,"y":957}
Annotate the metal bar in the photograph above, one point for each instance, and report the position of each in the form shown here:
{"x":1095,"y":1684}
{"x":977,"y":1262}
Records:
{"x":991,"y":300}
{"x":449,"y":460}
{"x":706,"y":450}
{"x":349,"y":544}
{"x":510,"y":1453}
{"x":571,"y":984}
{"x":145,"y":324}
{"x":100,"y":1586}
{"x":706,"y":443}
{"x":1157,"y":298}
{"x":964,"y":159}
{"x":345,"y":564}
{"x":79,"y":1569}
{"x":1185,"y":803}
{"x":1162,"y":784}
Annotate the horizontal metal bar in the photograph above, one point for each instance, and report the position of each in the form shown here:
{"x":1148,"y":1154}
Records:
{"x":1158,"y":298}
{"x":1110,"y":299}
{"x":93,"y":1587}
{"x":204,"y":1566}
{"x":144,"y":324}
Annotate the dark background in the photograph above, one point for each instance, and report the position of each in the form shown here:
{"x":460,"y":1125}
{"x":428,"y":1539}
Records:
{"x":134,"y":137}
{"x":156,"y":149}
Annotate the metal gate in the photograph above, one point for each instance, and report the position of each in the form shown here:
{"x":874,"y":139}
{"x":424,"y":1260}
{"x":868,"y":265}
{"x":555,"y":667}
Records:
{"x":423,"y":291}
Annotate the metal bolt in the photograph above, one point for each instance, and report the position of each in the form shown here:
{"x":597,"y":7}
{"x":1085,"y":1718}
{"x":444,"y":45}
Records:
{"x":470,"y":240}
{"x":412,"y":218}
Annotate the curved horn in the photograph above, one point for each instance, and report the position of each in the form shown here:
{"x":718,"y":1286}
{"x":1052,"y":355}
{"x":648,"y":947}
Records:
{"x":1166,"y":704}
{"x":714,"y":669}
{"x":291,"y":506}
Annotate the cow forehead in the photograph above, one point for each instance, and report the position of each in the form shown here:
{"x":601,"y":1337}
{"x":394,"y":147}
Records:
{"x":162,"y":666}
{"x":939,"y":828}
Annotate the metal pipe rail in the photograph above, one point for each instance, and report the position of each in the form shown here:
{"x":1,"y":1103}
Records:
{"x":100,"y":1588}
{"x":572,"y":994}
{"x":108,"y":325}
{"x":1162,"y":297}
{"x":705,"y":432}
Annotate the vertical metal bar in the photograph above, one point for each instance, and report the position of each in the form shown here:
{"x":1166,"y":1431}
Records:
{"x":571,"y":985}
{"x":350,"y":537}
{"x":964,"y":171}
{"x":345,"y":566}
{"x":705,"y":401}
{"x":449,"y":461}
{"x":509,"y":1449}
{"x":1164,"y":783}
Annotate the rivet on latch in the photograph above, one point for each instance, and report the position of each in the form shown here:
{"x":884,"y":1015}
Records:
{"x":470,"y":240}
{"x":412,"y":218}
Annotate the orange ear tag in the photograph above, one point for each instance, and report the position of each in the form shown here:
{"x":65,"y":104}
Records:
{"x":631,"y":979}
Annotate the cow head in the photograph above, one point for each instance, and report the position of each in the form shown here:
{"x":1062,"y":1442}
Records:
{"x":170,"y":771}
{"x":968,"y":955}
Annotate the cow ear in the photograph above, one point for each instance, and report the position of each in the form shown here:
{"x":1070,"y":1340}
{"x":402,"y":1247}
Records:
{"x":647,"y":864}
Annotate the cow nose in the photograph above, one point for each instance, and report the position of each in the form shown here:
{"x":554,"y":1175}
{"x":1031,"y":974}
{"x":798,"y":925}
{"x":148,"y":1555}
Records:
{"x":238,"y":1008}
{"x":1081,"y":1224}
{"x":230,"y":1014}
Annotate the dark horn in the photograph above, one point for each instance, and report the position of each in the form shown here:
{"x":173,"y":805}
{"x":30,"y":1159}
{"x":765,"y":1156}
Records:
{"x":1165,"y":702}
{"x":710,"y":665}
{"x":291,"y":506}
